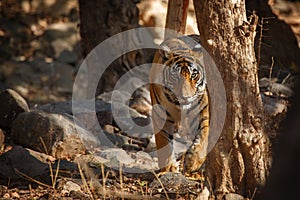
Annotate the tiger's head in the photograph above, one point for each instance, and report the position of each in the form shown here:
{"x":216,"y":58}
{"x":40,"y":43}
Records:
{"x":184,"y":73}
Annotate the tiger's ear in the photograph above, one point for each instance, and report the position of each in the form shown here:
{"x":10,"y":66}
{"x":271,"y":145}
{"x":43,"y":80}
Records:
{"x":165,"y":52}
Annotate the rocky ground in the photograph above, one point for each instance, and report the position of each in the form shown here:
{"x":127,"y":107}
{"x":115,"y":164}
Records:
{"x":46,"y":154}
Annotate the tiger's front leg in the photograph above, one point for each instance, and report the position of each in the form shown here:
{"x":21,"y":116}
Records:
{"x":196,"y":155}
{"x":165,"y":152}
{"x":164,"y":143}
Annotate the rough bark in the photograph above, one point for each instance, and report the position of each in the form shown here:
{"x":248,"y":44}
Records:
{"x":101,"y":19}
{"x":240,"y":160}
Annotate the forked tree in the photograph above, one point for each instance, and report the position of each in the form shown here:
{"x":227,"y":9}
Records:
{"x":240,"y":160}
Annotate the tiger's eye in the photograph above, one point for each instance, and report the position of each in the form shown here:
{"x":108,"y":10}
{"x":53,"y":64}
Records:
{"x":194,"y":75}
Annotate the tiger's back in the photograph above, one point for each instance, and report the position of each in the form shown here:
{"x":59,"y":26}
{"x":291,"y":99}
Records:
{"x":180,"y":102}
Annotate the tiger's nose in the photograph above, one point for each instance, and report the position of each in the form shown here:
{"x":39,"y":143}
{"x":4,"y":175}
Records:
{"x":184,"y":87}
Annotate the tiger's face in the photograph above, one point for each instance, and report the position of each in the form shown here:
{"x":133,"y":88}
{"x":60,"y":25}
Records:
{"x":183,"y":74}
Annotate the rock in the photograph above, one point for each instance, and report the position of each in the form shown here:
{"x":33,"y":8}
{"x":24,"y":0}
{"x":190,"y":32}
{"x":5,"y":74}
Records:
{"x":69,"y":167}
{"x":2,"y":138}
{"x":281,"y":89}
{"x":123,"y":141}
{"x":41,"y":156}
{"x":131,"y":162}
{"x":144,"y":161}
{"x":273,"y":106}
{"x":54,"y":134}
{"x":233,"y":196}
{"x":69,"y":57}
{"x":6,"y":196}
{"x":276,"y":88}
{"x":125,"y":119}
{"x":265,"y":82}
{"x":12,"y":104}
{"x":79,"y":195}
{"x":117,"y":114}
{"x":15,"y":195}
{"x":83,"y":111}
{"x":54,"y":75}
{"x":109,"y":128}
{"x":116,"y":156}
{"x":204,"y":194}
{"x":141,"y":101}
{"x":12,"y":165}
{"x":151,"y":144}
{"x":173,"y":183}
{"x":62,"y":36}
{"x":68,"y":186}
{"x":61,"y":45}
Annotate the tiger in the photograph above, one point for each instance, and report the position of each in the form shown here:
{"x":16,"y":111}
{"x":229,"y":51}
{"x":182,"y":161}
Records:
{"x":180,"y":101}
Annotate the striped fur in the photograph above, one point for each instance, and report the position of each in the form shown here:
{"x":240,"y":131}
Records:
{"x":180,"y":102}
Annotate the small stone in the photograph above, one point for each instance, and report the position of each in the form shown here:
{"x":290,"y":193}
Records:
{"x":144,"y":161}
{"x":204,"y":194}
{"x":78,"y":195}
{"x":233,"y":196}
{"x":6,"y":195}
{"x":70,"y":186}
{"x":273,"y":106}
{"x":116,"y":156}
{"x":15,"y":195}
{"x":12,"y":104}
{"x":172,"y":182}
{"x":109,"y":128}
{"x":278,"y":88}
{"x":69,"y":57}
{"x":141,"y":101}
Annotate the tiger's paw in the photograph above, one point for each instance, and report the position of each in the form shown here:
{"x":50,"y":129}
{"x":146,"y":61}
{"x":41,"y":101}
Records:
{"x":195,"y":176}
{"x":169,"y":168}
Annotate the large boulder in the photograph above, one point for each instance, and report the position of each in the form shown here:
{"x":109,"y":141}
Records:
{"x":13,"y":167}
{"x":54,"y":134}
{"x":11,"y":105}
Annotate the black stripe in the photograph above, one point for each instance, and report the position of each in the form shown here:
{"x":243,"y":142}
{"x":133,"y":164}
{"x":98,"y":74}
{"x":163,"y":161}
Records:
{"x":170,"y":121}
{"x":203,"y":118}
{"x":195,"y":120}
{"x":193,"y":108}
{"x":170,"y":136}
{"x":155,"y":96}
{"x":202,"y":127}
{"x":195,"y":105}
{"x":204,"y":108}
{"x":175,"y":101}
{"x":199,"y":127}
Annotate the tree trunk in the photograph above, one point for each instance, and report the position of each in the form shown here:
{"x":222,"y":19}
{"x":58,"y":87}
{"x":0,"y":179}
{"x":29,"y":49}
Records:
{"x":240,"y":160}
{"x":98,"y":21}
{"x":176,"y":16}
